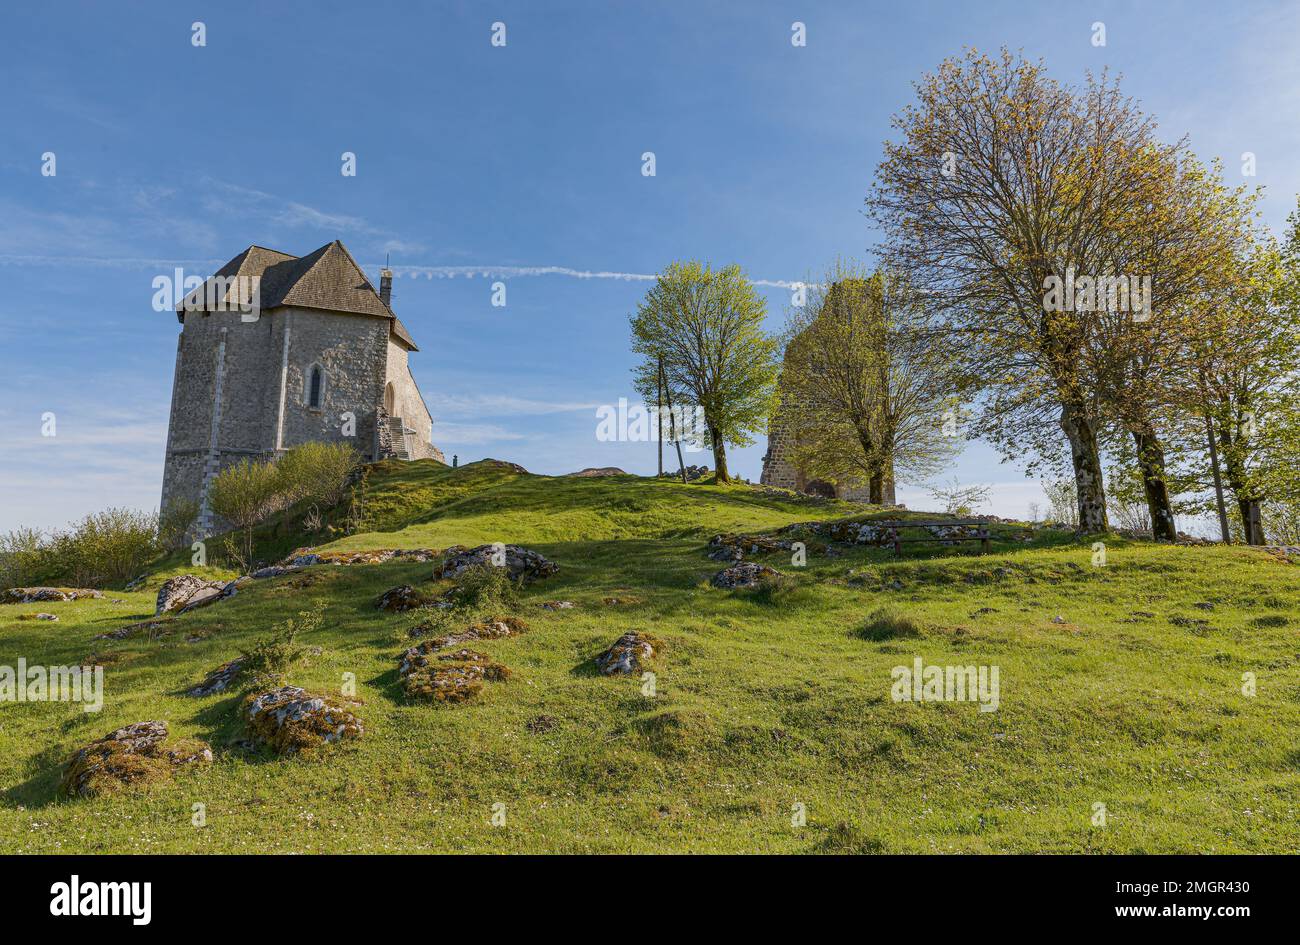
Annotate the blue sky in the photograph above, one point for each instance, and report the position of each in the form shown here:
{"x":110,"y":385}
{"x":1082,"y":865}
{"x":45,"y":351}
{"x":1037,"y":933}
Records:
{"x":506,"y":159}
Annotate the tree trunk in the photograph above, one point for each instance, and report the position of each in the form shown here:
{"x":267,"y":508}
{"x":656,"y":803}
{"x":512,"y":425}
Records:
{"x":1151,"y":464}
{"x":876,"y":489}
{"x":719,"y":460}
{"x":1086,"y":458}
{"x":1247,"y":502}
{"x":1218,"y":482}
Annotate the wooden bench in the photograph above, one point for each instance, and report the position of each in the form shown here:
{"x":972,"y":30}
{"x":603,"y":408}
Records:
{"x":893,"y":537}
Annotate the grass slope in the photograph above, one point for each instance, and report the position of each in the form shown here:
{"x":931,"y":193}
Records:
{"x":761,"y":704}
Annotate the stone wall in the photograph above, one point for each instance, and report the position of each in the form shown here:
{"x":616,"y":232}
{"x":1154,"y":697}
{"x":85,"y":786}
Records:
{"x":780,"y":471}
{"x":241,"y":390}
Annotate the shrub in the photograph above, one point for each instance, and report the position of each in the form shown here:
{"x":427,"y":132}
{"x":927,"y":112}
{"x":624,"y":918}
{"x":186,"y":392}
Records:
{"x":317,"y":473}
{"x":175,"y":521}
{"x":24,"y":557}
{"x":484,"y":588}
{"x":269,"y":659}
{"x":244,"y":495}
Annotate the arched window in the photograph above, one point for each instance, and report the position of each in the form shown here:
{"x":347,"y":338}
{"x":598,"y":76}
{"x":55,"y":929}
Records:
{"x":316,"y":387}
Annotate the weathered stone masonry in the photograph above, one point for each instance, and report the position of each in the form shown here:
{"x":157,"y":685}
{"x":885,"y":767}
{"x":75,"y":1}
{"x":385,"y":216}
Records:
{"x":242,"y":385}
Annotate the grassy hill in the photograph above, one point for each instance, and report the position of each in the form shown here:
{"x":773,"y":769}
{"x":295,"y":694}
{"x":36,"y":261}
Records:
{"x":1119,"y":685}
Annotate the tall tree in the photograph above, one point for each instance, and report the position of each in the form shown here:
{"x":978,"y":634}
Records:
{"x":1180,"y":249}
{"x":864,"y":382}
{"x":1003,"y":184}
{"x":1242,"y":375}
{"x":707,"y":326}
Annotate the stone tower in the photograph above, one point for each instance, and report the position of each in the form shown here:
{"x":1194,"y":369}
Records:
{"x":278,"y":350}
{"x":779,"y":469}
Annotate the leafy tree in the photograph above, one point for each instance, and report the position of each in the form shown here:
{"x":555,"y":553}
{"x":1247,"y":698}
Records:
{"x":706,"y":326}
{"x":1005,"y":183}
{"x":245,"y":494}
{"x":864,"y":382}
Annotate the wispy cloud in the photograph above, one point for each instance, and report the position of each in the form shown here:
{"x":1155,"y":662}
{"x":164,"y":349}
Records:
{"x":498,"y":405}
{"x":473,"y":434}
{"x":512,"y":272}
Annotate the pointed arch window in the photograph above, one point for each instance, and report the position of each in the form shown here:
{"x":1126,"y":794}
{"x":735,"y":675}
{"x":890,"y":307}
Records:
{"x":316,"y":387}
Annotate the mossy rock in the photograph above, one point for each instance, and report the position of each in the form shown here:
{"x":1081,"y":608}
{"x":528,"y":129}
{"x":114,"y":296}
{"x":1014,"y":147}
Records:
{"x":130,"y":757}
{"x":289,"y":720}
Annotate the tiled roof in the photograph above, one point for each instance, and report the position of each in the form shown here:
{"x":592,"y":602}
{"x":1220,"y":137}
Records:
{"x":327,"y":279}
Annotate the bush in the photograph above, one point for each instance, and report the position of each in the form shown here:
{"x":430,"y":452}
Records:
{"x":317,"y":473}
{"x":269,"y":660}
{"x":24,"y":557}
{"x":484,"y":588}
{"x":103,"y":548}
{"x":244,"y":495}
{"x":175,"y":522}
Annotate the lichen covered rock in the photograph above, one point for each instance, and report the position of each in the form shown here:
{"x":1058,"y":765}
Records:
{"x":179,"y":591}
{"x":494,"y":628}
{"x":402,"y":598}
{"x":134,"y":755}
{"x":735,"y":547}
{"x":290,"y":719}
{"x":219,"y":680}
{"x":454,"y":676}
{"x":41,"y":616}
{"x":744,"y":575}
{"x":305,"y":557}
{"x":520,"y":563}
{"x":42,"y":595}
{"x":629,"y":654}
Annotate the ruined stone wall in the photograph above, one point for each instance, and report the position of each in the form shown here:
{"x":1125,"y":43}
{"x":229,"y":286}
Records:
{"x":779,"y":469}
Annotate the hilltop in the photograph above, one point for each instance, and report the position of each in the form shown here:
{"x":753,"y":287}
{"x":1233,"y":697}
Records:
{"x":1120,"y":685}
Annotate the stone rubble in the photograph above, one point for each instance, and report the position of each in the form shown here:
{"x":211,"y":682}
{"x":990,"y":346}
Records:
{"x":42,"y":595}
{"x":520,"y":563}
{"x":744,"y":575}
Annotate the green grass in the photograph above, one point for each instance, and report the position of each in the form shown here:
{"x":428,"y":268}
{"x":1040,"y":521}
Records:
{"x":763,"y":701}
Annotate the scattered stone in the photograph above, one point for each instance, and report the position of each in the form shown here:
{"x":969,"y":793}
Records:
{"x":735,"y":547}
{"x":275,"y":570}
{"x":1203,"y":605}
{"x":135,"y":754}
{"x":628,"y":654}
{"x":541,"y":724}
{"x":494,"y":628}
{"x":1195,"y":624}
{"x":744,"y":575}
{"x":461,"y":678}
{"x":37,"y":617}
{"x":177,"y":592}
{"x":621,"y":601}
{"x":693,"y":473}
{"x":290,"y":719}
{"x":558,"y":605}
{"x":152,"y":627}
{"x":305,"y":557}
{"x":520,"y":563}
{"x":1058,"y":619}
{"x":985,"y":610}
{"x":893,"y":584}
{"x":402,"y":598}
{"x":219,"y":680}
{"x":43,"y":595}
